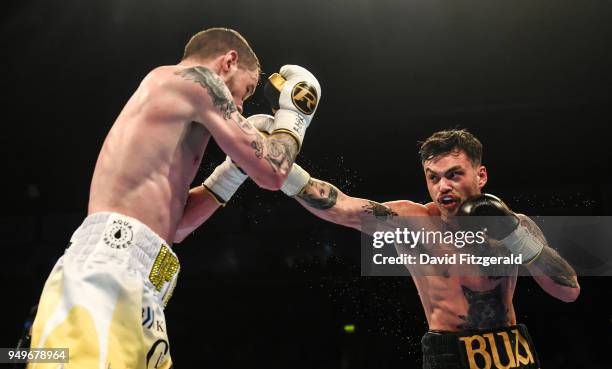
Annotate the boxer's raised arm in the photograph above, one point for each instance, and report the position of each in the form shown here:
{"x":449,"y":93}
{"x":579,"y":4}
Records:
{"x":521,"y":236}
{"x":267,"y":160}
{"x":217,"y":189}
{"x":549,"y":269}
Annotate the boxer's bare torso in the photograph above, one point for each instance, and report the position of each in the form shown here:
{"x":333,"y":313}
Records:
{"x":460,"y":302}
{"x":453,"y":301}
{"x":150,"y":156}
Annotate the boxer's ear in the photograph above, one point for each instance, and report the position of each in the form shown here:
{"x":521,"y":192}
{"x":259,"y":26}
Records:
{"x":229,"y":61}
{"x":482,"y":176}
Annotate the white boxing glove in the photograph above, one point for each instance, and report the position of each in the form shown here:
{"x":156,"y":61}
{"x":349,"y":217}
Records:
{"x":294,"y":93}
{"x":227,"y":177}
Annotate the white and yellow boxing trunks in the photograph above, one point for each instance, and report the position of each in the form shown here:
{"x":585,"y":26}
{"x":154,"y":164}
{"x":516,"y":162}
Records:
{"x":105,"y":297}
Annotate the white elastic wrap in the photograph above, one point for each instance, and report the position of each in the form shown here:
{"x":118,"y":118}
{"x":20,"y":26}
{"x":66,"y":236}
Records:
{"x":521,"y":242}
{"x":225,"y":179}
{"x":297,"y":179}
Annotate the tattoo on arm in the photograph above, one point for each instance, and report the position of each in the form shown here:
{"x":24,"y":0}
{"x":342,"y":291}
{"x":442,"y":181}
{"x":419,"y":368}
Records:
{"x":322,"y":195}
{"x":217,"y":90}
{"x":281,"y":149}
{"x":319,"y":195}
{"x":549,"y":261}
{"x":258,"y":144}
{"x":378,"y":210}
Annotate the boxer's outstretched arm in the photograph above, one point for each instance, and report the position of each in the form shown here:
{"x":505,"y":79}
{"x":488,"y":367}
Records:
{"x":267,"y":160}
{"x":549,"y":269}
{"x":329,"y":203}
{"x":320,"y":198}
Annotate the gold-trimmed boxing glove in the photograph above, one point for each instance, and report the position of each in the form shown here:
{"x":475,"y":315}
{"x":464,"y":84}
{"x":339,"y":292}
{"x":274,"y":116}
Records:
{"x":294,"y":94}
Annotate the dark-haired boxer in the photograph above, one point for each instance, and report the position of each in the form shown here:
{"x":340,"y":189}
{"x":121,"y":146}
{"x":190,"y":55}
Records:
{"x":472,"y":323}
{"x":105,"y":297}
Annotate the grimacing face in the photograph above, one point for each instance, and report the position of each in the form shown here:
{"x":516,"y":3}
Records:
{"x":242,"y":85}
{"x":451,"y":179}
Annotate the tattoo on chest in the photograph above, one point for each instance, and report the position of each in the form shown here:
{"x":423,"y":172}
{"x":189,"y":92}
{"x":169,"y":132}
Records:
{"x":378,"y":210}
{"x":486,"y":309}
{"x":214,"y":86}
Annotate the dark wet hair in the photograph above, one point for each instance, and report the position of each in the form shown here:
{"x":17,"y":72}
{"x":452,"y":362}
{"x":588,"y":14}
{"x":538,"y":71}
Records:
{"x":448,"y":141}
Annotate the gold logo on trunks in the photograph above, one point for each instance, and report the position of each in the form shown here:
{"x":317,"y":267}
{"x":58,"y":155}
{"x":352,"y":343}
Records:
{"x":485,"y":347}
{"x":119,"y":234}
{"x":165,"y":266}
{"x":304,"y":97}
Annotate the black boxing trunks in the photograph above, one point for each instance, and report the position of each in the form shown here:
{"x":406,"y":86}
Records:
{"x":503,"y":348}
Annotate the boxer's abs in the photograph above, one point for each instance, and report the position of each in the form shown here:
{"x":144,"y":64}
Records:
{"x":147,"y":164}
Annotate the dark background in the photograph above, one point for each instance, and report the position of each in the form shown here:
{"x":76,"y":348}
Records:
{"x":264,"y":283}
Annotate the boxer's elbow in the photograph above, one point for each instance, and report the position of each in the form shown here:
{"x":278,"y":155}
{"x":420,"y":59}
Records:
{"x":272,"y":182}
{"x":180,"y":236}
{"x":565,"y":293}
{"x":570,"y":294}
{"x":564,"y":288}
{"x":277,"y":181}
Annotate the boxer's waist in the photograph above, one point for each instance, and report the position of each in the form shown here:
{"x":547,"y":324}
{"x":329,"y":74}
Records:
{"x":507,"y":347}
{"x":127,"y":240}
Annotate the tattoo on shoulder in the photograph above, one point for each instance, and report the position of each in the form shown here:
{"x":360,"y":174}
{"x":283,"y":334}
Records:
{"x":378,"y":210}
{"x":319,"y":195}
{"x":215,"y":87}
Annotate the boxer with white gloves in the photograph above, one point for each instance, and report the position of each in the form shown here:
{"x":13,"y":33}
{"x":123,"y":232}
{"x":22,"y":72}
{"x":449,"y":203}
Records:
{"x":294,"y":94}
{"x":104,"y":299}
{"x":227,"y":177}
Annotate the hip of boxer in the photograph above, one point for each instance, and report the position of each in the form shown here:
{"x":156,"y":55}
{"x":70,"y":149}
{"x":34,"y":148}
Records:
{"x":501,"y":348}
{"x":104,"y":299}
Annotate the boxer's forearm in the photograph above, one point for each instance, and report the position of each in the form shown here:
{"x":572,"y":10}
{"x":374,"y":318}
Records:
{"x":549,"y":269}
{"x":199,"y":207}
{"x":280,"y":151}
{"x":555,"y":275}
{"x":327,"y":202}
{"x":267,"y":160}
{"x":273,"y":156}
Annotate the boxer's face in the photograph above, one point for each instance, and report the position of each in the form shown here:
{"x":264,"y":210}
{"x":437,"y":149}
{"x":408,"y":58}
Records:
{"x":239,"y":80}
{"x":242,"y":85}
{"x":451,"y":179}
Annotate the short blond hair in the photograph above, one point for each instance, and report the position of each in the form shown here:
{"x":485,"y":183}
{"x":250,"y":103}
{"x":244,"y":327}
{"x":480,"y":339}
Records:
{"x":213,"y":42}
